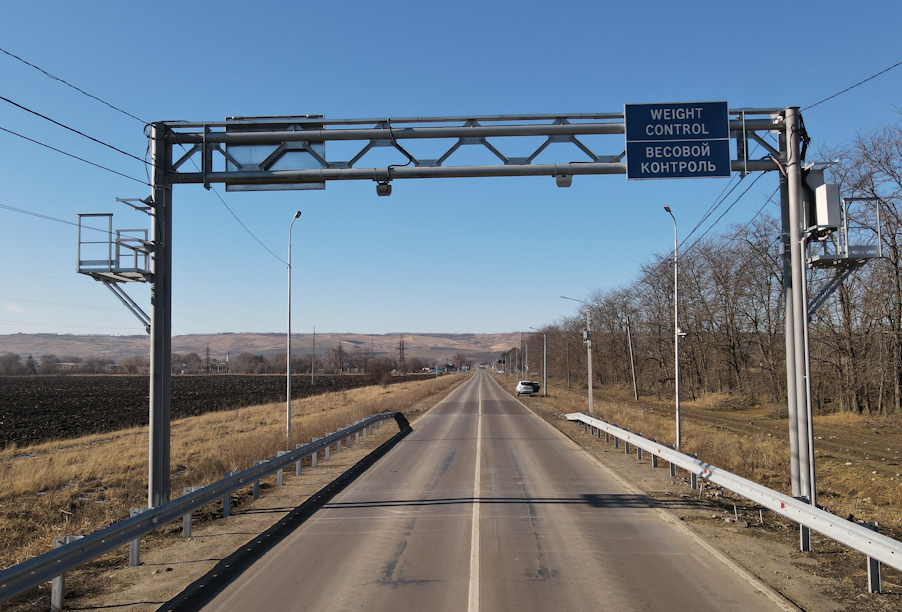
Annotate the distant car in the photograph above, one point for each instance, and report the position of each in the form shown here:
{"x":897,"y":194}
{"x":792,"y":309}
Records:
{"x":528,"y":387}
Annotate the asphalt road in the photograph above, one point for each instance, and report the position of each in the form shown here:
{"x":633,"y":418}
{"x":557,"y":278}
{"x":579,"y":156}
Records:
{"x":486,"y":506}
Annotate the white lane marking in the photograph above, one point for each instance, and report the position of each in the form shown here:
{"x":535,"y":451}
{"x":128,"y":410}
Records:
{"x":474,"y":539}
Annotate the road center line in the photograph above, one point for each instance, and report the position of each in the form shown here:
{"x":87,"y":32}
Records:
{"x":474,"y":539}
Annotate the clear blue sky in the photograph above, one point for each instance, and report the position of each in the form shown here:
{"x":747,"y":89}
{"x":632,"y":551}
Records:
{"x":457,"y":255}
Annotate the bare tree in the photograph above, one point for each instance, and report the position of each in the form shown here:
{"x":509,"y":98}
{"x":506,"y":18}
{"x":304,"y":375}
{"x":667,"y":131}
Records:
{"x":10,"y":364}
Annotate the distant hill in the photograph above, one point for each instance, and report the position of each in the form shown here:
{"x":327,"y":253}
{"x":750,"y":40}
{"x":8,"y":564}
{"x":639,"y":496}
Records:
{"x":435,"y":346}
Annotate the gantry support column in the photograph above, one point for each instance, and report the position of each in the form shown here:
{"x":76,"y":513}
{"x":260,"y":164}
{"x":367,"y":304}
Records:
{"x":799,"y":314}
{"x":160,"y":320}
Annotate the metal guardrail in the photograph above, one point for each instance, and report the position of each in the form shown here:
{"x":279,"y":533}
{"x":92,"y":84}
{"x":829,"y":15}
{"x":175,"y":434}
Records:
{"x":24,"y":576}
{"x":876,"y":546}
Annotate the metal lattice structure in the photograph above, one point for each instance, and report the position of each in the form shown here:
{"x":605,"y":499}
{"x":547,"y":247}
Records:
{"x":277,"y":153}
{"x":267,"y":153}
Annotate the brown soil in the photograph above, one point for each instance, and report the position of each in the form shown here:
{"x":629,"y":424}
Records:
{"x":38,"y":408}
{"x":170,"y":563}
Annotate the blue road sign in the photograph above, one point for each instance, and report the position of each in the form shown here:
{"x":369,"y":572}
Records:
{"x":677,"y":140}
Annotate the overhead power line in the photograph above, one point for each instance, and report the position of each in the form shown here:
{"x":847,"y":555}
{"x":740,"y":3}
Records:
{"x":79,"y":326}
{"x":144,"y":161}
{"x":729,"y":208}
{"x":41,"y":70}
{"x":2,"y":297}
{"x":55,"y":122}
{"x":240,"y":222}
{"x":81,"y":159}
{"x":874,"y":76}
{"x":49,"y":218}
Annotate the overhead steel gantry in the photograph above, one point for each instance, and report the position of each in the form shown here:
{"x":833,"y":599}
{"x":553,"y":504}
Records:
{"x":289,"y":152}
{"x":276,"y":153}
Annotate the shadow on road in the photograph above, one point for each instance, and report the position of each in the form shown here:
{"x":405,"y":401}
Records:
{"x":204,"y":589}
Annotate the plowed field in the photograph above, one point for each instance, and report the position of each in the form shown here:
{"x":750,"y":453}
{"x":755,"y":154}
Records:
{"x":38,"y":408}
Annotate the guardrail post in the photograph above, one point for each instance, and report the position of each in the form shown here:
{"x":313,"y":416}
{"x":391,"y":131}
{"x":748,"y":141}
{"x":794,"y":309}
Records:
{"x":280,"y":477}
{"x":134,"y":547}
{"x":804,"y":537}
{"x":313,"y":456}
{"x":607,"y":437}
{"x":338,"y":443}
{"x":639,"y":450}
{"x":186,"y":520}
{"x":357,"y":437}
{"x":227,"y":498}
{"x":297,"y":466}
{"x":626,"y":444}
{"x":257,"y":482}
{"x":58,"y":585}
{"x":327,"y":449}
{"x":654,"y":457}
{"x":616,"y":439}
{"x":672,"y":465}
{"x":874,"y":581}
{"x":693,"y":477}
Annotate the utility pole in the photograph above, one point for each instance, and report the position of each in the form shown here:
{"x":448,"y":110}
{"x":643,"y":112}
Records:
{"x":544,"y":361}
{"x":587,"y":340}
{"x":629,"y":336}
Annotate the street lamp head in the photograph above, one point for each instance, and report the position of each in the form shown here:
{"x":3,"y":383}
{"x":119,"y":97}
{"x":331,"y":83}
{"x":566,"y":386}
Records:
{"x":667,"y":208}
{"x":297,"y":214}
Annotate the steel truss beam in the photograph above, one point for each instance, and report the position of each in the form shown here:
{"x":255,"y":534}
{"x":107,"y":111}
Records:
{"x":207,"y":144}
{"x":210,"y":147}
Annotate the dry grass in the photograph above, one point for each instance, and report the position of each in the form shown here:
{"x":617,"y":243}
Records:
{"x":77,"y":486}
{"x":844,"y":487}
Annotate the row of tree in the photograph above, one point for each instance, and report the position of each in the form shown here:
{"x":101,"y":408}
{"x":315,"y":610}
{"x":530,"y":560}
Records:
{"x":335,"y":361}
{"x":731,"y":308}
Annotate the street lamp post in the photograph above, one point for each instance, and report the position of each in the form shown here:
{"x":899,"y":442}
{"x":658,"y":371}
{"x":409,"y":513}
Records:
{"x":588,"y":341}
{"x":288,"y":350}
{"x":544,"y":361}
{"x":676,"y":326}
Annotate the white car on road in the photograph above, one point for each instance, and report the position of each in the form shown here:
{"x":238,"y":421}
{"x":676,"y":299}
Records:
{"x":528,"y":387}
